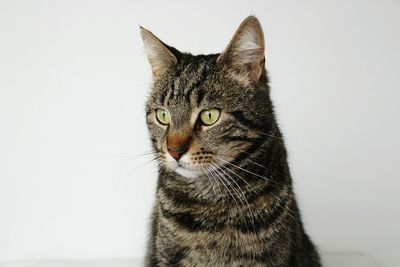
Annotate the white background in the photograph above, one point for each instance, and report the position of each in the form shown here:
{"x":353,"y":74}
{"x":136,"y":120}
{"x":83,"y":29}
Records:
{"x":74,"y":79}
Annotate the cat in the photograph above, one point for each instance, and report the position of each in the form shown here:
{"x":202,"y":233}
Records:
{"x":224,"y":194}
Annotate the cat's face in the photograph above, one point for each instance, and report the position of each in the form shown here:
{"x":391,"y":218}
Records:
{"x":205,"y":112}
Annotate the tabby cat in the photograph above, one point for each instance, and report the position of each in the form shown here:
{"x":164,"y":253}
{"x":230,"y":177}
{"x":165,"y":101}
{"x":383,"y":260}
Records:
{"x":224,"y":192}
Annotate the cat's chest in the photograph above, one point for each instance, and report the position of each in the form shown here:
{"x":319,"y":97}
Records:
{"x":225,"y":246}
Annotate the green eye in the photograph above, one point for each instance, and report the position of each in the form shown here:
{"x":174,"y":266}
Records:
{"x":209,"y":116}
{"x":163,"y":116}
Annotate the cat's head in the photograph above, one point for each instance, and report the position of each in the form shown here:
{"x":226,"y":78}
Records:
{"x":208,"y":111}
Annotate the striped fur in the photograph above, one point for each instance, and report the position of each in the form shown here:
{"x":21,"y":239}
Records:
{"x":239,"y":209}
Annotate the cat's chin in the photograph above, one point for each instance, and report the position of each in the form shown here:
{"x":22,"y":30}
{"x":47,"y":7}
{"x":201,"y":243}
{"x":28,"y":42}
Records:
{"x":188,"y":173}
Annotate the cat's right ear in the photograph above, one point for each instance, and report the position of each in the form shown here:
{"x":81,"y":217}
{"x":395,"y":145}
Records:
{"x":160,"y":56}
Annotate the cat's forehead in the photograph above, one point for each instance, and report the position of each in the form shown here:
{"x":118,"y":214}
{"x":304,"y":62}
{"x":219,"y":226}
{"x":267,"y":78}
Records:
{"x":187,"y":84}
{"x":192,"y":72}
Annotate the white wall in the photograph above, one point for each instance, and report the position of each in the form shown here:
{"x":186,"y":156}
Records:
{"x":74,"y":78}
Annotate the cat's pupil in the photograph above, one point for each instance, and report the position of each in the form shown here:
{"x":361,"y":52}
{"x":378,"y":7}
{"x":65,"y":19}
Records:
{"x":209,"y":115}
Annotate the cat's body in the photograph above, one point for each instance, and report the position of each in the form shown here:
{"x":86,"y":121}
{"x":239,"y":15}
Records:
{"x":224,"y":194}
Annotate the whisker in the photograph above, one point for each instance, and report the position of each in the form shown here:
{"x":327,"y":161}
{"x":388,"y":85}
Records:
{"x":230,"y":185}
{"x":240,"y":177}
{"x":251,"y":161}
{"x":240,"y":193}
{"x":143,"y":164}
{"x":269,"y":135}
{"x":234,"y":165}
{"x":223,"y":183}
{"x":281,"y":185}
{"x":254,"y":162}
{"x":210,"y":178}
{"x":133,"y":157}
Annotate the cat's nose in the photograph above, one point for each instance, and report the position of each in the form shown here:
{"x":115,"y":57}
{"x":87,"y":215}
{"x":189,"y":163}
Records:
{"x":177,"y":152}
{"x":178,"y":144}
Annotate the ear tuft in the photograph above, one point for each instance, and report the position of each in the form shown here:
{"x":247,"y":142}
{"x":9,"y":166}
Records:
{"x":246,"y":49}
{"x":160,"y":57}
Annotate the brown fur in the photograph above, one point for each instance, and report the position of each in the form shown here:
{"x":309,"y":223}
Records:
{"x":224,"y":195}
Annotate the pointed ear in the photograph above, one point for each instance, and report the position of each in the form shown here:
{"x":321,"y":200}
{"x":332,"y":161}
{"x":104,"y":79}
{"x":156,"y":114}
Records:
{"x":245,"y":51}
{"x":159,"y":54}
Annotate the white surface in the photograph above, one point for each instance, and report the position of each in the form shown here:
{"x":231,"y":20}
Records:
{"x":74,"y":78}
{"x":330,"y":260}
{"x":348,"y":260}
{"x":75,"y":263}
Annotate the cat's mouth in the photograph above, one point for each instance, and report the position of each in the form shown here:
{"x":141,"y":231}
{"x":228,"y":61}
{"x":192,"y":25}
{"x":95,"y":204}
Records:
{"x":186,"y":167}
{"x":188,"y":171}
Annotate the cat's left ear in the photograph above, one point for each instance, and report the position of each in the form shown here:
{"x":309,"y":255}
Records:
{"x":245,"y":52}
{"x":161,"y":56}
